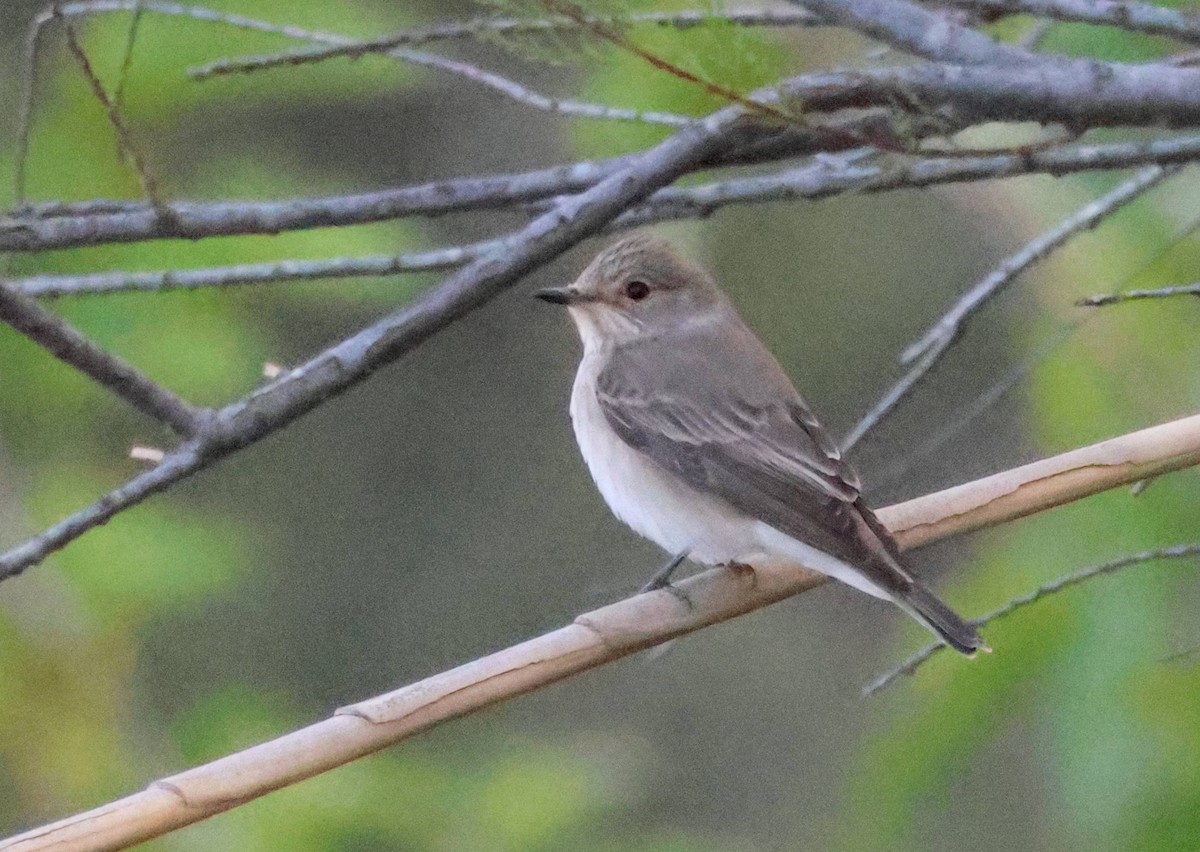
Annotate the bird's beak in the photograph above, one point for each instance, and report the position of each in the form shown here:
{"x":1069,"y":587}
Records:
{"x":562,"y":296}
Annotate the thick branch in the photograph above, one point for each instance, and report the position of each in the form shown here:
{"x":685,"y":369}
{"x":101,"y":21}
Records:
{"x":917,"y":30}
{"x":1077,"y":92}
{"x":63,"y":341}
{"x":592,"y":640}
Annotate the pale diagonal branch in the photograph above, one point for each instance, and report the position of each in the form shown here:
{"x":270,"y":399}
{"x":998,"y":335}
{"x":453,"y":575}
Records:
{"x":926,"y":352}
{"x":592,"y":640}
{"x":910,"y":665}
{"x":63,"y":341}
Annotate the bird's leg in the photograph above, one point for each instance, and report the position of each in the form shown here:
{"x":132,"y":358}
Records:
{"x":662,"y":579}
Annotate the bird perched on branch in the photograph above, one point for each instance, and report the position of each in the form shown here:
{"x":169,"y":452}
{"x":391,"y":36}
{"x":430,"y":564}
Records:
{"x":699,"y":442}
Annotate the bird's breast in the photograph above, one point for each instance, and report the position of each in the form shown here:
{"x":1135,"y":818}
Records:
{"x":654,"y":502}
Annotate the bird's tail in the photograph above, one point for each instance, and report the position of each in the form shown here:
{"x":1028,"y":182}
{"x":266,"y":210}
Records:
{"x":925,"y":607}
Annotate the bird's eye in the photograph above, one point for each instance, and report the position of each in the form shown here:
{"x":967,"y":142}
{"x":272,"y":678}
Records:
{"x":637,"y":290}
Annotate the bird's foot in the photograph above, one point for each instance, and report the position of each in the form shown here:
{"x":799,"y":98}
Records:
{"x":662,"y":578}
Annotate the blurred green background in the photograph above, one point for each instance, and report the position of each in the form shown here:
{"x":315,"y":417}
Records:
{"x":440,"y":511}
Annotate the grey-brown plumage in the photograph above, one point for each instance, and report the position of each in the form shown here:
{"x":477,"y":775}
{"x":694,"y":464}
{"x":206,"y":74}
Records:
{"x":697,"y":438}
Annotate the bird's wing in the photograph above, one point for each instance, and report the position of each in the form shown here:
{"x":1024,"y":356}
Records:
{"x":742,"y":433}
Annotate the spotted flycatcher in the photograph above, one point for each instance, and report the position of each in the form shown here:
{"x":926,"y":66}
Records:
{"x":699,"y":442}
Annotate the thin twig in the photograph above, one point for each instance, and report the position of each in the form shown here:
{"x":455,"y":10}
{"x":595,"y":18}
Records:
{"x":910,"y":665}
{"x":272,"y":272}
{"x":509,"y":88}
{"x":63,"y":341}
{"x":25,"y":114}
{"x":135,"y":21}
{"x":926,"y":352}
{"x":978,"y":406}
{"x":591,"y":640}
{"x":1084,"y":219}
{"x":455,"y":30}
{"x":1134,"y":295}
{"x":124,"y":138}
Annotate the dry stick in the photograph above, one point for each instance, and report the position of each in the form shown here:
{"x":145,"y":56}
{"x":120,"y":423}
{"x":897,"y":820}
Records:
{"x":1134,"y":295}
{"x":910,"y":665}
{"x":593,"y":639}
{"x":63,"y":341}
{"x":929,"y":349}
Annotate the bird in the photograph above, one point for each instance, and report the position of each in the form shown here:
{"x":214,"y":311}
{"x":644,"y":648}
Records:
{"x":697,"y":439}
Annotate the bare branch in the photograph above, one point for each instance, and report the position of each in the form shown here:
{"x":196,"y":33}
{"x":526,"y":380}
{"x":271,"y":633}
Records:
{"x":69,"y":225}
{"x":272,"y":272}
{"x":61,"y":225}
{"x":593,"y":639}
{"x":66,"y":343}
{"x":911,"y":28}
{"x":1123,"y":14}
{"x":1078,"y":93}
{"x":826,"y":176}
{"x":1134,"y":295}
{"x":929,"y":349}
{"x":344,"y":365}
{"x":911,"y":664}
